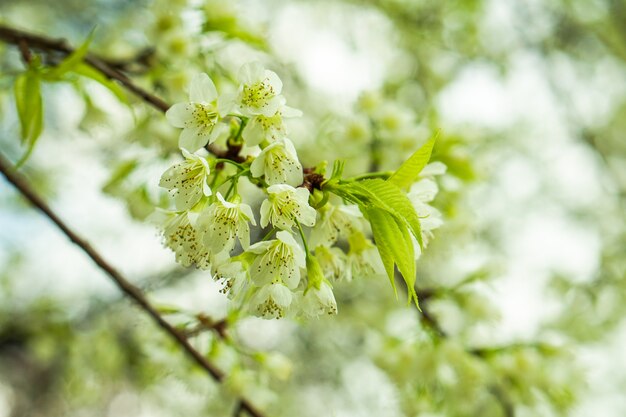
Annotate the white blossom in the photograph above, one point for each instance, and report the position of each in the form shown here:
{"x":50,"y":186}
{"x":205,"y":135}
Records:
{"x":272,"y":300}
{"x":279,"y":365}
{"x":279,"y":164}
{"x":222,"y":222}
{"x":199,"y":117}
{"x":234,"y":276}
{"x":259,"y":92}
{"x":336,"y":221}
{"x":270,"y":128}
{"x":392,"y":120}
{"x":432,"y":169}
{"x":180,"y":236}
{"x":363,"y":258}
{"x":187,"y":180}
{"x":285,"y":205}
{"x":421,"y":193}
{"x":278,"y":260}
{"x":318,"y":301}
{"x":333,"y":262}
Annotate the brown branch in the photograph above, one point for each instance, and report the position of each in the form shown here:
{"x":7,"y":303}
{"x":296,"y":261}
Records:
{"x":136,"y":64}
{"x":27,"y":57}
{"x":17,"y":37}
{"x":106,"y":66}
{"x":122,"y":283}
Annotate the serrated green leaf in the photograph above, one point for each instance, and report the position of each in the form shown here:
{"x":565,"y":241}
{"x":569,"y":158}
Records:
{"x":395,"y":247}
{"x":90,"y":72}
{"x":72,"y":60}
{"x":393,"y":219}
{"x":397,"y":202}
{"x":410,"y":169}
{"x":382,"y":194}
{"x":27,"y":89}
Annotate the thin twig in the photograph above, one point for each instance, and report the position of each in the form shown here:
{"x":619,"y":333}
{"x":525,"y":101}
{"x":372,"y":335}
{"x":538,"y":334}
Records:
{"x":27,"y":57}
{"x":122,"y":283}
{"x":43,"y":43}
{"x":17,"y":37}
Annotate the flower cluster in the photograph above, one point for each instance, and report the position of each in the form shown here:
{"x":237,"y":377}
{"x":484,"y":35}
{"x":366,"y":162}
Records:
{"x":297,"y":254}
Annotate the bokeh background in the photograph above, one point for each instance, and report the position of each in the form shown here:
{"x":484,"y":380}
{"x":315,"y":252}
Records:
{"x":526,"y":281}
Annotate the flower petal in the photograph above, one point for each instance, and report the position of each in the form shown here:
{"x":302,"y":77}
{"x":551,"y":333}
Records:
{"x":226,"y":103}
{"x":253,"y":133}
{"x":192,"y":139}
{"x":288,"y":112}
{"x":274,"y":81}
{"x":251,"y":73}
{"x":271,"y":106}
{"x":265,"y":212}
{"x":434,"y":168}
{"x":260,"y":247}
{"x":262,"y":270}
{"x":202,"y":89}
{"x":247,"y":211}
{"x":291,"y":276}
{"x":257,"y":167}
{"x":219,"y":129}
{"x":281,"y":295}
{"x":287,"y":238}
{"x":179,"y":114}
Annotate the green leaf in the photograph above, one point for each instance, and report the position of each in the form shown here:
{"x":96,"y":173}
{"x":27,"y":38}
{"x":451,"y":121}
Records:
{"x":72,"y":60}
{"x":90,"y":72}
{"x":398,"y":203}
{"x":393,"y":220}
{"x":168,"y":309}
{"x":410,"y":169}
{"x":119,"y":174}
{"x":395,"y":247}
{"x":29,"y":106}
{"x":384,"y":195}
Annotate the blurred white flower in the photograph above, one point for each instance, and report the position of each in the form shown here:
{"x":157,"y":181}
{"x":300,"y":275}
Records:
{"x":341,"y":220}
{"x":332,"y":260}
{"x":279,"y":365}
{"x":363,"y":258}
{"x":420,"y":194}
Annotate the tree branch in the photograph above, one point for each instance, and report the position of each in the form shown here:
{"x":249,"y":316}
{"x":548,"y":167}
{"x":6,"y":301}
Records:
{"x":122,"y":283}
{"x":18,"y":37}
{"x":107,"y":67}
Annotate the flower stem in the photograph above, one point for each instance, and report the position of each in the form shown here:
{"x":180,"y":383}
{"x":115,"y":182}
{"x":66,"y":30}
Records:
{"x":230,"y":161}
{"x":267,"y":236}
{"x":306,"y":247}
